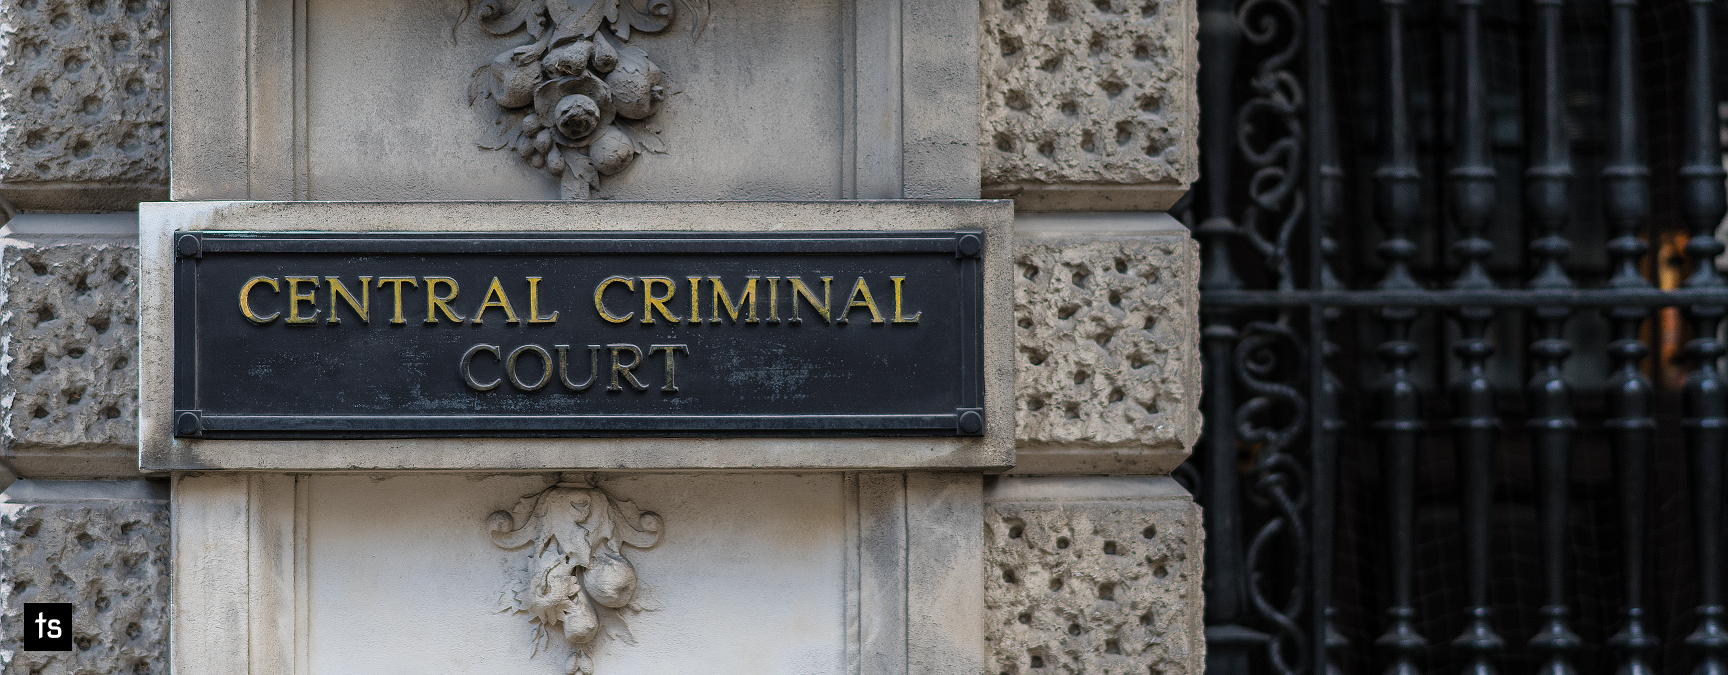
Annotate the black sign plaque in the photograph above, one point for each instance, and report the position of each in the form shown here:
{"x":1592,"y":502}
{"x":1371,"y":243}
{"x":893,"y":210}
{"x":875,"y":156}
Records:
{"x":365,"y":335}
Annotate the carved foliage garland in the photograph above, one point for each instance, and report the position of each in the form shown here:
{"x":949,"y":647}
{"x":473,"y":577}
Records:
{"x":577,"y":101}
{"x":579,"y":584}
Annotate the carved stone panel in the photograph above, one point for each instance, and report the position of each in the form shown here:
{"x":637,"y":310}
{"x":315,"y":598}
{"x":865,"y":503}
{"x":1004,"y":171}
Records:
{"x":1092,"y":94}
{"x":1107,"y":370}
{"x":83,"y":102}
{"x":1092,"y":575}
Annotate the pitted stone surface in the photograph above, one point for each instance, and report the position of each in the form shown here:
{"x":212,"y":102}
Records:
{"x":110,"y":560}
{"x":83,"y":91}
{"x":1108,"y":348}
{"x":68,"y":344}
{"x":1100,"y":588}
{"x":1089,"y":91}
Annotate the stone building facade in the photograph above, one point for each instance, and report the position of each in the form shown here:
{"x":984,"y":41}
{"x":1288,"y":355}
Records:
{"x":1085,"y":117}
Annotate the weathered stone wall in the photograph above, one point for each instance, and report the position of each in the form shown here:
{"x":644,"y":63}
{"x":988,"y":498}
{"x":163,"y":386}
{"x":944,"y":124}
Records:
{"x":1107,"y":375}
{"x":1081,"y":578}
{"x":83,"y":103}
{"x":109,"y":558}
{"x":68,"y":340}
{"x":1089,"y":93}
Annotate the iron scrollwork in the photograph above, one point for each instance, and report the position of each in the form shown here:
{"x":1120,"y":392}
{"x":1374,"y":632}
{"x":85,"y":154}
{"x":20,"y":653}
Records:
{"x":1270,"y":365}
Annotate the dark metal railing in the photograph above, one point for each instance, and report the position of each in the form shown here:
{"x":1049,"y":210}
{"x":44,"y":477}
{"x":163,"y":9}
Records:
{"x":1286,"y":341}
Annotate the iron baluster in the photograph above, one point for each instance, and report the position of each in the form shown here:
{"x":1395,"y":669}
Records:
{"x":1478,"y":423}
{"x":1324,"y":184}
{"x":1400,"y":422}
{"x":1552,"y":423}
{"x":1702,"y":205}
{"x":1629,"y":393}
{"x":1228,"y":642}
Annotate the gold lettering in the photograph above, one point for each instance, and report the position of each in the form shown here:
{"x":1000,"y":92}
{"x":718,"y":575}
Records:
{"x":600,"y":303}
{"x":468,"y":370}
{"x":246,"y":304}
{"x":397,"y":282}
{"x":363,"y":308}
{"x":295,"y":297}
{"x":503,"y":302}
{"x":898,"y":316}
{"x":545,"y":367}
{"x":745,"y":299}
{"x":670,"y":370}
{"x":624,"y":369}
{"x":534,"y":304}
{"x":564,"y":367}
{"x":773,"y":299}
{"x":852,"y":301}
{"x":695,"y":294}
{"x":436,"y":303}
{"x":651,"y":302}
{"x":799,"y":289}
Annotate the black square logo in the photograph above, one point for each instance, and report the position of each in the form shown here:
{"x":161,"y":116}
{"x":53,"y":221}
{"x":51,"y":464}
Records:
{"x":47,"y":626}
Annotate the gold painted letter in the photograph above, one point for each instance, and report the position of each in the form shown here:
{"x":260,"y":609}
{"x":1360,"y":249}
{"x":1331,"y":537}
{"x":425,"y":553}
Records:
{"x":799,"y":289}
{"x":695,"y":295}
{"x":852,"y":301}
{"x":534,"y":304}
{"x":245,"y":300}
{"x":295,"y":297}
{"x":397,"y":320}
{"x":898,"y":316}
{"x":436,"y":302}
{"x":773,"y":299}
{"x":363,"y":308}
{"x":747,"y":298}
{"x":496,"y":290}
{"x":651,"y":302}
{"x":600,"y":300}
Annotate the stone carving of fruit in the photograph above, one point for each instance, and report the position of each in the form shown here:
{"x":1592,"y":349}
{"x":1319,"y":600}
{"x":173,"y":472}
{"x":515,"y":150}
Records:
{"x":570,"y":59}
{"x":580,"y":622}
{"x":635,"y":85}
{"x":519,"y":82}
{"x":605,"y":56}
{"x":610,"y":580}
{"x":574,"y":535}
{"x":612,"y":151}
{"x":578,"y":73}
{"x":578,"y":117}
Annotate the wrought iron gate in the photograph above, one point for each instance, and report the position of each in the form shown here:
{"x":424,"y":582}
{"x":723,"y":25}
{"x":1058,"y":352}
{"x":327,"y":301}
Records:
{"x":1462,"y":320}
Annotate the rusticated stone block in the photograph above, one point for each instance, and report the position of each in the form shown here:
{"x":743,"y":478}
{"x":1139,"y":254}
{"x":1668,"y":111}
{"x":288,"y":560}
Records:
{"x":83,"y":102}
{"x":110,"y":560}
{"x":1107,"y":377}
{"x":1079,"y":580}
{"x":1089,"y":93}
{"x":68,"y":344}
